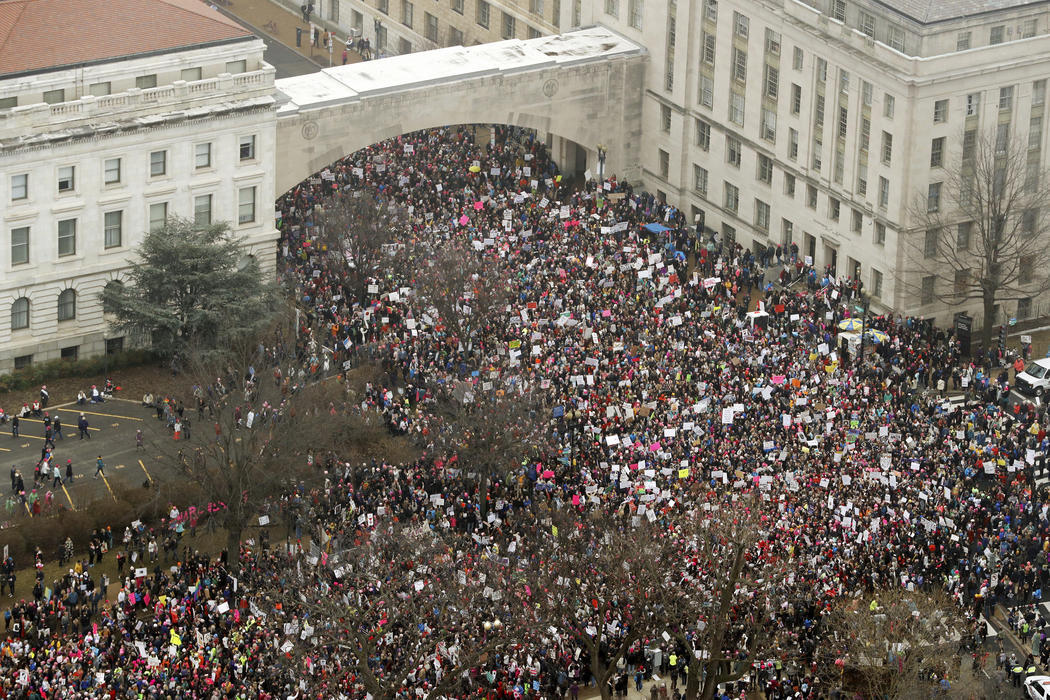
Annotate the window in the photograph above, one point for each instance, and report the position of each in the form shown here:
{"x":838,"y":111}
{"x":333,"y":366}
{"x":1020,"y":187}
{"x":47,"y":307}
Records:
{"x":765,"y":169}
{"x":457,"y":6}
{"x":20,"y":314}
{"x":787,"y":228}
{"x":536,"y":7}
{"x":20,"y":245}
{"x":1029,"y":221}
{"x":940,"y":111}
{"x":191,"y":74}
{"x":634,"y":10}
{"x":772,"y":42}
{"x":884,"y":192}
{"x":54,"y":97}
{"x":113,"y":229}
{"x":111,"y":171}
{"x":857,"y":221}
{"x":888,"y":105}
{"x":67,"y":305}
{"x":818,"y":111}
{"x":158,"y":216}
{"x":876,"y":283}
{"x":741,"y":24}
{"x":736,"y":108}
{"x":792,"y":144}
{"x":733,"y":151}
{"x":732,"y":197}
{"x":728,"y":234}
{"x":700,"y":180}
{"x":158,"y":163}
{"x":962,"y":235}
{"x":709,"y":48}
{"x":665,"y":164}
{"x":246,"y":147}
{"x":843,"y":121}
{"x":115,"y":346}
{"x":67,"y":178}
{"x":455,"y":37}
{"x":482,"y":14}
{"x":862,"y":178}
{"x":834,"y":208}
{"x":931,"y":243}
{"x":739,"y":65}
{"x":937,"y":152}
{"x":880,"y":233}
{"x":887,"y":147}
{"x":23,"y":361}
{"x":407,"y":13}
{"x":1028,"y":28}
{"x":797,"y":58}
{"x":67,"y":237}
{"x":818,"y":153}
{"x":789,"y":185}
{"x":71,"y":353}
{"x":928,"y":283}
{"x":707,"y":91}
{"x":772,"y":81}
{"x":866,"y":91}
{"x":241,"y":66}
{"x":145,"y":82}
{"x":1038,"y":92}
{"x":769,"y":125}
{"x":896,"y":38}
{"x":202,"y":156}
{"x":811,"y":196}
{"x":867,"y":24}
{"x":1002,"y":138}
{"x":383,"y":6}
{"x":612,"y":8}
{"x":1035,"y":133}
{"x":112,"y":287}
{"x":1006,"y":97}
{"x":20,"y":186}
{"x":973,"y":103}
{"x":995,"y":36}
{"x":1024,"y":307}
{"x":844,"y":81}
{"x":962,"y":41}
{"x":430,"y":27}
{"x":202,"y":210}
{"x":665,"y":118}
{"x":98,"y":89}
{"x":8,"y":102}
{"x":838,"y":10}
{"x":796,"y":98}
{"x":761,"y":216}
{"x":961,"y":282}
{"x":246,"y":205}
{"x":703,"y":134}
{"x":1026,"y":269}
{"x":933,"y":197}
{"x":711,"y":10}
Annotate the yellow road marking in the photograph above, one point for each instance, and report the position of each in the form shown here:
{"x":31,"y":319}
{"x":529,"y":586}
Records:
{"x":111,"y":415}
{"x":68,"y":497}
{"x":106,"y":481}
{"x":4,"y":449}
{"x":37,"y":420}
{"x":28,"y":510}
{"x":146,"y":470}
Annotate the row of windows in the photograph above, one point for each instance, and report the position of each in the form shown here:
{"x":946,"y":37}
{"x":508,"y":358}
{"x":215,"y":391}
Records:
{"x":635,"y":10}
{"x":482,"y":16}
{"x":113,"y":225}
{"x":67,"y":309}
{"x":113,"y":168}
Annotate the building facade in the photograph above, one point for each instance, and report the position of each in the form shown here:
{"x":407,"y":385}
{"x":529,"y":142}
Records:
{"x":829,"y":123}
{"x":98,"y":147}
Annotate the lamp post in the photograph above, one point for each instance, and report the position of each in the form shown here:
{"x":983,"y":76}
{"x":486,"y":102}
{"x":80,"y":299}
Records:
{"x":601,"y":164}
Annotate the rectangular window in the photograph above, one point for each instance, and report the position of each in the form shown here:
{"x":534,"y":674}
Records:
{"x":772,"y":81}
{"x":99,"y":89}
{"x":792,"y":144}
{"x":1028,"y":28}
{"x":455,"y":37}
{"x":158,"y":216}
{"x":834,"y":208}
{"x":23,"y":361}
{"x":1035,"y":133}
{"x":796,"y":98}
{"x":202,"y":210}
{"x":787,"y":228}
{"x":818,"y":111}
{"x":732,"y":197}
{"x":707,"y":91}
{"x":962,"y":41}
{"x":887,"y":147}
{"x":71,"y":353}
{"x":797,"y":58}
{"x":933,"y":197}
{"x":191,"y":74}
{"x":54,"y":97}
{"x":115,"y":346}
{"x":8,"y":102}
{"x":113,"y":229}
{"x":940,"y":111}
{"x":928,"y":283}
{"x":765,"y":169}
{"x":817,"y":161}
{"x":876,"y":283}
{"x":769,"y":125}
{"x":708,"y":48}
{"x":867,"y":24}
{"x":739,"y":65}
{"x":733,"y":151}
{"x":1002,"y":138}
{"x":843,"y":121}
{"x":457,"y":6}
{"x":844,"y":81}
{"x":811,"y":196}
{"x":67,"y":178}
{"x":246,"y":206}
{"x":1029,"y":221}
{"x":634,"y":9}
{"x":1024,"y":307}
{"x":884,"y":192}
{"x":241,"y":66}
{"x":961,"y":282}
{"x":857,"y":221}
{"x":761,"y":216}
{"x":145,"y":82}
{"x":665,"y":163}
{"x":736,"y":108}
{"x":896,"y":38}
{"x":880,"y":233}
{"x":612,"y":8}
{"x":430,"y":27}
{"x":20,"y":186}
{"x":866,"y":91}
{"x":700,"y":180}
{"x":1038,"y":92}
{"x":962,"y":235}
{"x":703,"y":134}
{"x":789,"y":185}
{"x":996,"y":34}
{"x":931,"y":243}
{"x":536,"y":7}
{"x":862,"y":178}
{"x":202,"y":156}
{"x":67,"y":237}
{"x":741,"y":25}
{"x":111,"y":171}
{"x":158,"y":163}
{"x":711,"y":10}
{"x":973,"y":104}
{"x":246,"y":147}
{"x":937,"y":152}
{"x":865,"y":133}
{"x":772,"y":42}
{"x":665,"y":118}
{"x":838,"y":10}
{"x":508,"y":26}
{"x":888,"y":105}
{"x":20,"y":245}
{"x":1006,"y":98}
{"x":482,"y":14}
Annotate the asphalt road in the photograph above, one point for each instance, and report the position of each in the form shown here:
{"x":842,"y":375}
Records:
{"x":286,"y":62}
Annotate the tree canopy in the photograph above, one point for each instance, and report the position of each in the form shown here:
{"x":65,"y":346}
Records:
{"x":192,"y":286}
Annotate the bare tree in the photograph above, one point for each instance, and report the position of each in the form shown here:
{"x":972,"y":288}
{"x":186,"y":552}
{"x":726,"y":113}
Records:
{"x":894,"y":642}
{"x":983,"y":231}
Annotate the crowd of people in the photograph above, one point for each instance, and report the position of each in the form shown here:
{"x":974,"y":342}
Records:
{"x":672,"y":373}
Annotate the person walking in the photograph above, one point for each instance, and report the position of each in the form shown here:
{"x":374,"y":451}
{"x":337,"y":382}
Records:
{"x":69,"y":471}
{"x":58,"y":429}
{"x":138,"y":440}
{"x":82,"y":425}
{"x":14,"y":426}
{"x":99,"y":466}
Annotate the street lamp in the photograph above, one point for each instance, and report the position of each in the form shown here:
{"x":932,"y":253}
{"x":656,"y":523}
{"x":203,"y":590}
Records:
{"x":601,"y":164}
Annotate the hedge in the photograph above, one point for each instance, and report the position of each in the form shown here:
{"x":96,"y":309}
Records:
{"x":37,"y":374}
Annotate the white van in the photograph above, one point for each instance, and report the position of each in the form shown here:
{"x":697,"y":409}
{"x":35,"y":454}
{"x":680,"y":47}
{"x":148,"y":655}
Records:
{"x":1035,"y":380}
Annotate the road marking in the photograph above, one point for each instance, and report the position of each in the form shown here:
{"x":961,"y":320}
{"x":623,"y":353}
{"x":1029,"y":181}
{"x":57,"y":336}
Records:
{"x":37,"y":420}
{"x":68,"y":497}
{"x":4,"y":449}
{"x":28,"y":510}
{"x":146,"y":470}
{"x":110,"y":415}
{"x":119,"y":466}
{"x":106,"y":481}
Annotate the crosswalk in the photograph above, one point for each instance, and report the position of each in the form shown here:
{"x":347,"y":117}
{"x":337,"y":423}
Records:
{"x":1037,"y":614}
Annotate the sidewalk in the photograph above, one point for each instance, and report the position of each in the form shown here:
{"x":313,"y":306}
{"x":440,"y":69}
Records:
{"x":274,"y":21}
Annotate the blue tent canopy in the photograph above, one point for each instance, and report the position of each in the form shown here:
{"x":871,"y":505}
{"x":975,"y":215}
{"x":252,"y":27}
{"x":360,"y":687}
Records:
{"x":656,"y":228}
